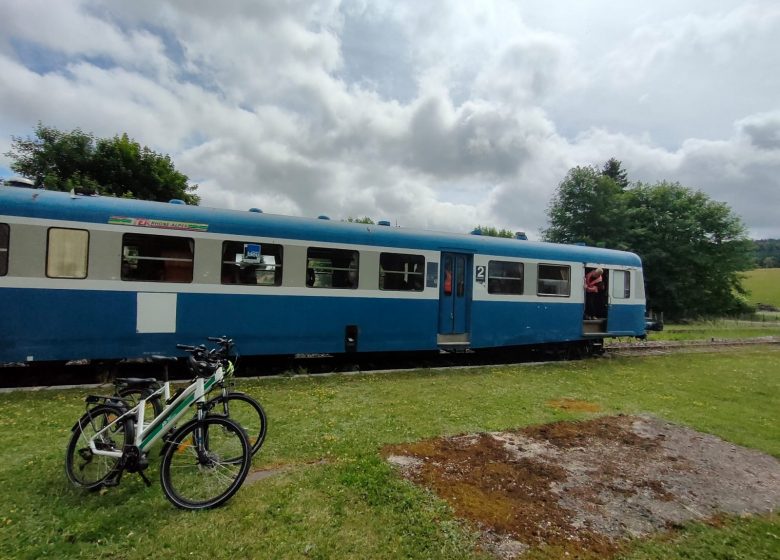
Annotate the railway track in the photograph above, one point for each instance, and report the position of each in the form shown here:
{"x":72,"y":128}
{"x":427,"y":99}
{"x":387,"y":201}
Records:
{"x":618,"y":348}
{"x":325,"y":364}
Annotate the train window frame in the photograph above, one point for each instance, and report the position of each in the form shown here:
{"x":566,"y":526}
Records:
{"x":324,"y":264}
{"x":544,"y":283}
{"x":171,"y":270}
{"x":67,"y":253}
{"x":498,"y":284}
{"x":625,"y":292}
{"x":401,"y":280}
{"x":5,"y":243}
{"x":247,"y":263}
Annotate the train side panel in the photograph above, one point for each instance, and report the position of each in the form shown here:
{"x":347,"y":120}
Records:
{"x":100,"y":324}
{"x":311,"y":324}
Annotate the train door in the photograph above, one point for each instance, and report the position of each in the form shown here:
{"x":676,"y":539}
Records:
{"x":455,"y":293}
{"x":597,"y":298}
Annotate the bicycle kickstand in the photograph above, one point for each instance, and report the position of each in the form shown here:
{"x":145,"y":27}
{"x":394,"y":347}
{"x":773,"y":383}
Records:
{"x":146,"y":480}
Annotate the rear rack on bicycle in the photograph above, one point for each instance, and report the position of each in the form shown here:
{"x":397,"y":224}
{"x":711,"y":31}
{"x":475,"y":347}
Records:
{"x":110,"y":399}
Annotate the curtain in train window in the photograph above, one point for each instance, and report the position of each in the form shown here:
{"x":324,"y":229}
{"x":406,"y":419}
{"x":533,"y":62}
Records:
{"x":4,"y":237}
{"x":251,"y":263}
{"x":447,"y":275}
{"x":505,"y":277}
{"x":331,"y":268}
{"x":67,"y":253}
{"x":157,"y":258}
{"x":621,"y":284}
{"x":400,"y":272}
{"x":554,"y":280}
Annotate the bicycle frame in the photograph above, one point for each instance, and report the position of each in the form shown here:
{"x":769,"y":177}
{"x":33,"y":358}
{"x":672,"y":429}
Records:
{"x":146,"y":435}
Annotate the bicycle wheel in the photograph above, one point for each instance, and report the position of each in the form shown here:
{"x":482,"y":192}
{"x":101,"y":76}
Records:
{"x":194,"y":472}
{"x":247,"y":412}
{"x":82,"y":466}
{"x":133,"y":395}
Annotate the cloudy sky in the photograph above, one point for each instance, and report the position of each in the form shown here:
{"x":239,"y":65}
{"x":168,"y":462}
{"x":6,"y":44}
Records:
{"x":441,"y":114}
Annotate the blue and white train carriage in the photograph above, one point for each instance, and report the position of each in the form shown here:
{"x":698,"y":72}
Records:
{"x":89,"y":277}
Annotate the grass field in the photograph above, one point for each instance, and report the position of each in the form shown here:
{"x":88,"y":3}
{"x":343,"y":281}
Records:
{"x":335,"y":498}
{"x":764,"y":286}
{"x":721,"y":329}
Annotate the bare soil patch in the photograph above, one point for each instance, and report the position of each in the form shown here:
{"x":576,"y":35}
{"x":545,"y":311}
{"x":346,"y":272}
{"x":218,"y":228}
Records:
{"x":586,"y":487}
{"x":574,"y":405}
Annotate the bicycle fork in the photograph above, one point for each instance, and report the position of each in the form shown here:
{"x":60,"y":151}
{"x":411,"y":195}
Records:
{"x":201,"y":436}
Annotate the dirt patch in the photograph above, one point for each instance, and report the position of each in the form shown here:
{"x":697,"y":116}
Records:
{"x":585,"y":487}
{"x":574,"y":405}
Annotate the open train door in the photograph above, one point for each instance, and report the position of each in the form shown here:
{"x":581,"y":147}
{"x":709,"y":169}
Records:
{"x":455,"y":300}
{"x":596,"y":304}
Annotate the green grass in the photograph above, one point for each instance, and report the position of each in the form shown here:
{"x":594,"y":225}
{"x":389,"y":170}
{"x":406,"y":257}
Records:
{"x":335,"y":498}
{"x":721,"y":329}
{"x":764,"y":286}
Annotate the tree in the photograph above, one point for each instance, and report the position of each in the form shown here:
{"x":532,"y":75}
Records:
{"x":587,"y":207}
{"x":115,"y":166}
{"x":614,"y":170}
{"x":692,"y":248}
{"x":767,"y":253}
{"x":769,"y":262}
{"x":363,"y":220}
{"x":491,"y":231}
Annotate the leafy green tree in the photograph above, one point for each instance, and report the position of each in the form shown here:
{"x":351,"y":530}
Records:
{"x":588,"y":207}
{"x":693,"y":249}
{"x":767,"y":252}
{"x":491,"y":231}
{"x":363,"y":220}
{"x":115,"y":166}
{"x":614,"y":170}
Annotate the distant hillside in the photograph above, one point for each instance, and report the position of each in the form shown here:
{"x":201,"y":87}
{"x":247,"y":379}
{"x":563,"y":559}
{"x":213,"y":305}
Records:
{"x":764,"y":286}
{"x":768,"y":253}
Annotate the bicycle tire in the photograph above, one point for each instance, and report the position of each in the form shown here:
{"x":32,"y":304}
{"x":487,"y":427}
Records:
{"x":193,"y":479}
{"x":245,"y":410}
{"x":82,"y":466}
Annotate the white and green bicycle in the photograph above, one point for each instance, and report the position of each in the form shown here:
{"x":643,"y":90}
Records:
{"x":204,"y":461}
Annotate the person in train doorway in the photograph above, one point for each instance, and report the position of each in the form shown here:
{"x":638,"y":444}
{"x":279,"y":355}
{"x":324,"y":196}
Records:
{"x":594,"y":284}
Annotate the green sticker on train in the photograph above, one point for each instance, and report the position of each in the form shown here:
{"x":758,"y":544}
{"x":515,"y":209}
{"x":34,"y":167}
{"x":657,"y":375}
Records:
{"x":161,"y":224}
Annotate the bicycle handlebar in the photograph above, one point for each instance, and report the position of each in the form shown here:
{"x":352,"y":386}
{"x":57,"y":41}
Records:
{"x":220,"y":339}
{"x":225,"y":345}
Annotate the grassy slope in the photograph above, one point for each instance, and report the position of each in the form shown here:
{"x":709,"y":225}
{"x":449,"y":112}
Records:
{"x":336,"y":498}
{"x":764,"y":286}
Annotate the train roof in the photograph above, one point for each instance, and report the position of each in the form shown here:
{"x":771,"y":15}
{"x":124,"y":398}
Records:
{"x":38,"y":203}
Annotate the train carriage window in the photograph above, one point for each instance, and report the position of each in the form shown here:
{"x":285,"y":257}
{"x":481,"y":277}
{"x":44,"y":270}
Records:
{"x":400,"y":272}
{"x":331,"y":268}
{"x":554,"y":280}
{"x":621,"y":284}
{"x":157,"y":258}
{"x":251,"y":263}
{"x":67,"y":253}
{"x":4,"y":237}
{"x":505,"y":277}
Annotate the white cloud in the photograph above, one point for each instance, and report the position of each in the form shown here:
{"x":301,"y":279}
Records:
{"x":438,"y":114}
